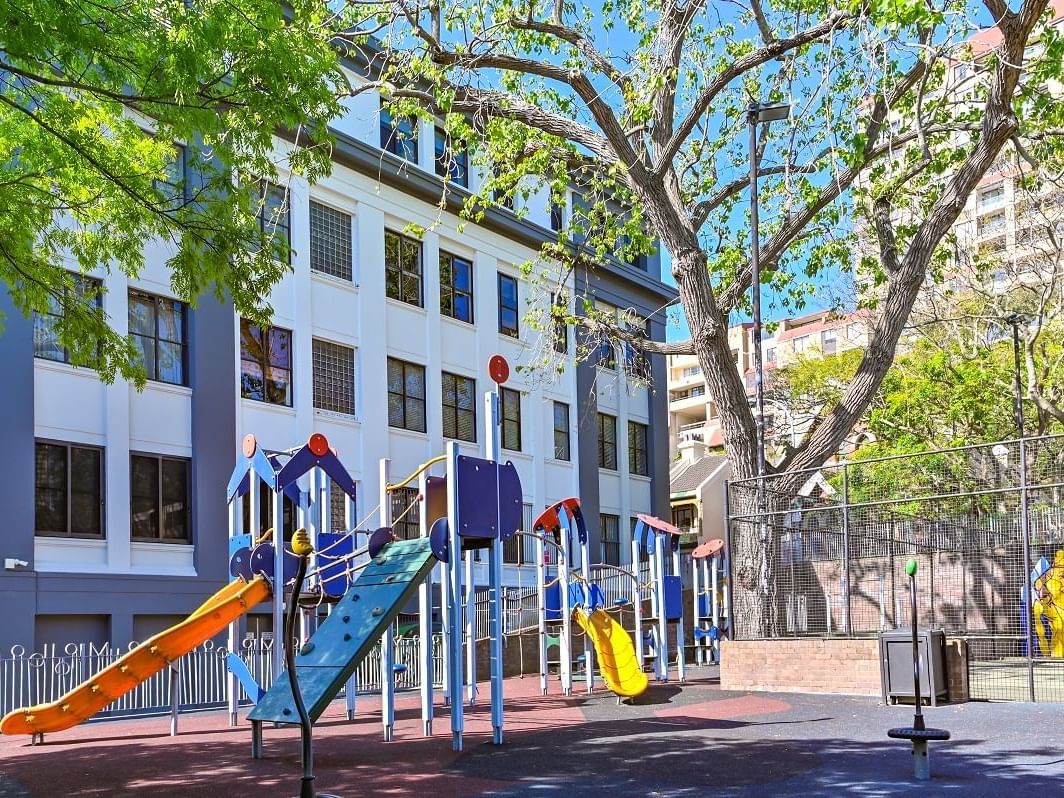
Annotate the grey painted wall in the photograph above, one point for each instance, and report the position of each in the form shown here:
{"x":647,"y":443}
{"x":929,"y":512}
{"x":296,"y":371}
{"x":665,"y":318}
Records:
{"x":212,"y":362}
{"x":17,"y":589}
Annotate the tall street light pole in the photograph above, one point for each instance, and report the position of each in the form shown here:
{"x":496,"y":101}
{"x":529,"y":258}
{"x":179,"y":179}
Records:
{"x":756,"y":114}
{"x":1015,"y":320}
{"x":759,"y":113}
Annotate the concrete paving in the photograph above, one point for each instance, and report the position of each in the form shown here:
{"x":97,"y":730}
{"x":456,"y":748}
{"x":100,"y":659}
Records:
{"x":677,"y":740}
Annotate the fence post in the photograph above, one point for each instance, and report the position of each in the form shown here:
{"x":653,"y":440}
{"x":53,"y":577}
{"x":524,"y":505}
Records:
{"x":847,"y":622}
{"x":1025,"y":531}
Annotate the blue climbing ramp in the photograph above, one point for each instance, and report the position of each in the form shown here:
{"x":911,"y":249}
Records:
{"x":332,"y":654}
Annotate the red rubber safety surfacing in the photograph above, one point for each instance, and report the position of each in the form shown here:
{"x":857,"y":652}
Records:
{"x":498,"y":369}
{"x":318,"y":444}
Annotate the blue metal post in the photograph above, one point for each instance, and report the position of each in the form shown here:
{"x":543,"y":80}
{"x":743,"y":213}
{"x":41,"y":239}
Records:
{"x":351,"y":690}
{"x":279,"y":643}
{"x":454,"y":606}
{"x":425,"y":622}
{"x":492,"y":420}
{"x":541,"y":620}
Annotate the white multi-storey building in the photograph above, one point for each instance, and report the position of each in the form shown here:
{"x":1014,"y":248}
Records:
{"x":116,"y":498}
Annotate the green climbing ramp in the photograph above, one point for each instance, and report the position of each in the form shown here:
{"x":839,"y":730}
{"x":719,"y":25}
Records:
{"x":332,"y":654}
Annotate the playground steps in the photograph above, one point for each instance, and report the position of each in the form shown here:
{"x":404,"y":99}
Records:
{"x":332,"y":654}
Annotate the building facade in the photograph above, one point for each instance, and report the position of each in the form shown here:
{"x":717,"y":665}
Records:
{"x":115,"y":499}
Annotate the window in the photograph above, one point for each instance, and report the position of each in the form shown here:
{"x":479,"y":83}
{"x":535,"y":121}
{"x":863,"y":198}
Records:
{"x":338,"y":509}
{"x":559,"y":328}
{"x":68,"y":490}
{"x":557,"y":216}
{"x":692,"y":371}
{"x":459,"y":407}
{"x":605,"y":355}
{"x":801,"y":343}
{"x":992,"y":197}
{"x":265,"y":364}
{"x":561,"y":431}
{"x":275,"y":219}
{"x":637,"y":449}
{"x":993,"y":224}
{"x":399,"y":137}
{"x":45,"y":335}
{"x":456,"y":287}
{"x":330,"y":241}
{"x":406,"y":514}
{"x":511,"y":418}
{"x":521,"y":550}
{"x":607,"y":441}
{"x":508,"y":324}
{"x":158,"y":329}
{"x":451,"y":162}
{"x":504,"y":197}
{"x":406,"y":395}
{"x":171,"y":184}
{"x":610,"y":530}
{"x":159,"y":498}
{"x":635,"y":359}
{"x":770,"y":355}
{"x":683,"y":518}
{"x":334,"y":377}
{"x":830,"y":341}
{"x":402,"y":268}
{"x":266,"y":497}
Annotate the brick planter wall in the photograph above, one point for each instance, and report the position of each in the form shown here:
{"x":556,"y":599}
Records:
{"x":822,"y":666}
{"x":801,"y":666}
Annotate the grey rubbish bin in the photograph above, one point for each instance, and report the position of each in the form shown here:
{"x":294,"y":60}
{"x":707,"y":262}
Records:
{"x":896,"y":664}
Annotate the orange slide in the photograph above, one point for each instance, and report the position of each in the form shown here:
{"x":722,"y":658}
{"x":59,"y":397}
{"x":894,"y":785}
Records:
{"x":147,"y":659}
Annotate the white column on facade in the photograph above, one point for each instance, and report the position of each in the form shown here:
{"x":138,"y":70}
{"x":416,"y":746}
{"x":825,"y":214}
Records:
{"x":372,"y":362}
{"x":302,"y":311}
{"x":430,"y":272}
{"x":117,"y":514}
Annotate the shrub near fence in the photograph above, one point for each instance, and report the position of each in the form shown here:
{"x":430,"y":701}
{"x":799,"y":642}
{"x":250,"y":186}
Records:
{"x":27,"y":679}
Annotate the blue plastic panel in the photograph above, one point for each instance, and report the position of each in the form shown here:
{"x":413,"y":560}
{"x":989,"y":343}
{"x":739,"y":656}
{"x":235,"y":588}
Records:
{"x":673,"y":589}
{"x":553,"y":599}
{"x":334,"y":550}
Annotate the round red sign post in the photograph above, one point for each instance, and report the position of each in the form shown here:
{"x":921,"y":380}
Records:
{"x":498,"y":369}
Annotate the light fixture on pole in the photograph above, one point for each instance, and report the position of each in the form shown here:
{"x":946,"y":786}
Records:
{"x":756,"y":114}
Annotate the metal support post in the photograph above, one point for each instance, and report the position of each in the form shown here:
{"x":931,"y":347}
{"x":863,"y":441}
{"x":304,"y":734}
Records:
{"x":470,"y":631}
{"x":565,"y":649}
{"x":637,"y":597}
{"x":493,"y":420}
{"x":847,"y":621}
{"x":541,"y":615}
{"x":351,"y":688}
{"x":388,"y":638}
{"x":681,"y":658}
{"x":232,"y":690}
{"x":425,"y":622}
{"x":659,"y":589}
{"x":279,"y":643}
{"x":454,"y":606}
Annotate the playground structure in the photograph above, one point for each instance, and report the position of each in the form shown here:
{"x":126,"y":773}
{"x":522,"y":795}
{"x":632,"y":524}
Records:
{"x":708,"y":598}
{"x":1047,"y":608}
{"x":573,"y":595}
{"x":344,"y":590}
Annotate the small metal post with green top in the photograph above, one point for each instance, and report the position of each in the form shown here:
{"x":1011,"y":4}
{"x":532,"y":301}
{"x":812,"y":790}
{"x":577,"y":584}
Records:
{"x":918,"y":733}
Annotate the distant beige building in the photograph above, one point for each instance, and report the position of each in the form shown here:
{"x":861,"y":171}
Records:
{"x":693,"y":415}
{"x":696,"y":438}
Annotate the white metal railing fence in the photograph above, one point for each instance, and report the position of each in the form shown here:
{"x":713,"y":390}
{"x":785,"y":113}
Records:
{"x":41,"y":677}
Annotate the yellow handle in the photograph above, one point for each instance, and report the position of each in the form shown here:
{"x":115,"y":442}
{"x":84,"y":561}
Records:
{"x":301,"y":545}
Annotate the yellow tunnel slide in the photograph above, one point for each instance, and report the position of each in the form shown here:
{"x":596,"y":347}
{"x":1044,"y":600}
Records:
{"x":614,"y":651}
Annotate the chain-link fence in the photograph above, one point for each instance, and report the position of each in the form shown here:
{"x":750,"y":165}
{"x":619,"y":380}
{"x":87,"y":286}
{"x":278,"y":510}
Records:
{"x":823,"y":553}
